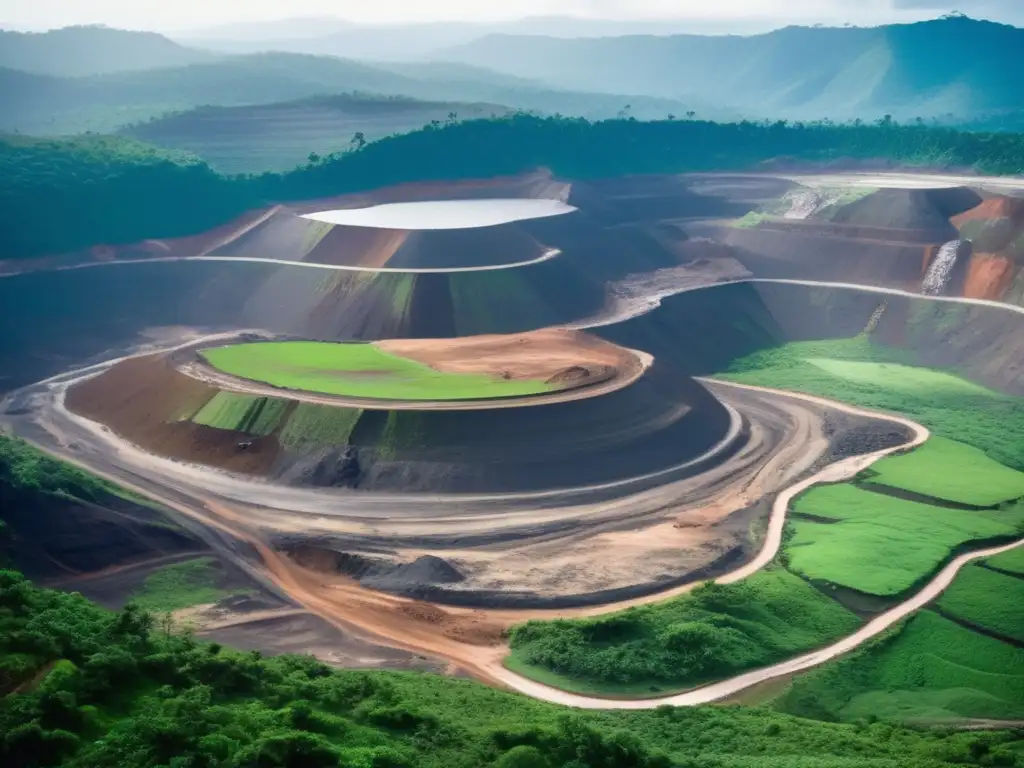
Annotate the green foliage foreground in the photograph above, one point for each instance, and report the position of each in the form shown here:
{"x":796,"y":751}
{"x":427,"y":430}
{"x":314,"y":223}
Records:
{"x":87,"y":688}
{"x":102,"y":190}
{"x":716,"y":631}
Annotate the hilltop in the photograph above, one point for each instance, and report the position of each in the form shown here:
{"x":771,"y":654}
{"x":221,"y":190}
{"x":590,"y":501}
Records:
{"x":953,"y":65}
{"x":92,"y":50}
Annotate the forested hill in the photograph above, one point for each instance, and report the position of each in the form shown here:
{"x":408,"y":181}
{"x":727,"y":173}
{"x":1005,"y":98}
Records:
{"x":92,"y":50}
{"x":63,"y":195}
{"x":953,"y":65}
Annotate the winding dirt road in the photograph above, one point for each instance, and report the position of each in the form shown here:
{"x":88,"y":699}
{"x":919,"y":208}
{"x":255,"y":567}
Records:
{"x":470,"y":638}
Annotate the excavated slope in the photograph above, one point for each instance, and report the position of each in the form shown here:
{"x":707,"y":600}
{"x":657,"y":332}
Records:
{"x":662,"y":420}
{"x":703,"y":331}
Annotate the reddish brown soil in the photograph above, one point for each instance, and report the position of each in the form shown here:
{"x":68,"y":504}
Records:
{"x":989,"y":275}
{"x":148,"y":402}
{"x":556,"y":355}
{"x":993,"y":208}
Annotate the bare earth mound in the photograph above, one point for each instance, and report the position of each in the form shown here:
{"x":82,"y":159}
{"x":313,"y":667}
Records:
{"x":556,"y":355}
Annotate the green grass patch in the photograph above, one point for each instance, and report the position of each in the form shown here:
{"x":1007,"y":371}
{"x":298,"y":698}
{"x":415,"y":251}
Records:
{"x":1011,"y":562}
{"x":242,"y":413}
{"x":929,"y":669}
{"x":896,"y":377}
{"x":751,"y":220}
{"x":181,"y":585}
{"x":313,"y":425}
{"x":358,"y":370}
{"x":946,"y":469}
{"x":882,"y":545}
{"x":714,"y":632}
{"x":949,"y":406}
{"x":987,"y":599}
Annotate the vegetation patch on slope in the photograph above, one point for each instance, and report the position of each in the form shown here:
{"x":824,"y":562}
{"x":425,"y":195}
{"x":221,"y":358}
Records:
{"x":311,"y":426}
{"x":987,"y":599}
{"x":928,"y":669}
{"x":100,"y":688}
{"x":716,"y":631}
{"x":946,"y":469}
{"x":883,"y":545}
{"x":181,"y":585}
{"x":242,"y":413}
{"x":358,"y":370}
{"x":986,"y":420}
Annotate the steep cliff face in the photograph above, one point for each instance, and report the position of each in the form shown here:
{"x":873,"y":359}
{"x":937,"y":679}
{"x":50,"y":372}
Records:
{"x":989,"y":276}
{"x":996,"y":229}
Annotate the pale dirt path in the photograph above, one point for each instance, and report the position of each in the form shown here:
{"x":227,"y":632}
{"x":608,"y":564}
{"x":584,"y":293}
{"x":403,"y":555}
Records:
{"x":546,"y":256}
{"x":726,"y":688}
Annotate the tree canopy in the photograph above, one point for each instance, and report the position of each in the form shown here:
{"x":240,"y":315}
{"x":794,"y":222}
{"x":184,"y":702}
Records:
{"x":58,"y":196}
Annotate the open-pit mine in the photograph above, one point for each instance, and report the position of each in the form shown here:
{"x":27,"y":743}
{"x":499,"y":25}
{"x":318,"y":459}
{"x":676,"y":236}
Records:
{"x":421,"y":416}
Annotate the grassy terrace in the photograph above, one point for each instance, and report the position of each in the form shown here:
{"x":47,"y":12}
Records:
{"x":951,"y":471}
{"x":358,"y":370}
{"x":987,"y":599}
{"x":928,"y":670}
{"x":882,"y":545}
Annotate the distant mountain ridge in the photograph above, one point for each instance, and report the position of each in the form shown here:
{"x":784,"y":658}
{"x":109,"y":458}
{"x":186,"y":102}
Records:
{"x":47,"y":105}
{"x":951,"y":65}
{"x":93,"y":50}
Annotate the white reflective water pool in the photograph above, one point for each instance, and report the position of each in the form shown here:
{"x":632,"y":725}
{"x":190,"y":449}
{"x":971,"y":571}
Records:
{"x":444,"y":214}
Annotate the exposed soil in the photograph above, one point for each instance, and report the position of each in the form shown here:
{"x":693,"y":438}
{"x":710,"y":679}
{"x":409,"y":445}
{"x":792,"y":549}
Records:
{"x":557,"y":356}
{"x":989,"y":275}
{"x":148,"y":402}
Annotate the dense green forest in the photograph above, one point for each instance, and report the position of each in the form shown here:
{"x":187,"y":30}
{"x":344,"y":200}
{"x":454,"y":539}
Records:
{"x":86,"y":687}
{"x":63,"y":195}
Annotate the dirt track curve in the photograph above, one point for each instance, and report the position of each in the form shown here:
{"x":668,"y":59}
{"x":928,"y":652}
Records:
{"x":474,"y":645}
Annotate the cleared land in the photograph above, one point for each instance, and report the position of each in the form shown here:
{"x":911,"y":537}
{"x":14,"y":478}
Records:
{"x":883,"y":545}
{"x":929,"y":670}
{"x":359,"y":370}
{"x":714,"y":632}
{"x":987,"y":599}
{"x":946,"y":469}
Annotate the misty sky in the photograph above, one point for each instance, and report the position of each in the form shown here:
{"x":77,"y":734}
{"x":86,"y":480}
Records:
{"x":177,"y":15}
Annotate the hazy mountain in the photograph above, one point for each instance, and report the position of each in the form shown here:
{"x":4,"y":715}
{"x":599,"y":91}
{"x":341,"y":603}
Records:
{"x":953,"y":65}
{"x":82,"y":51}
{"x":405,"y":42}
{"x":48,"y":105}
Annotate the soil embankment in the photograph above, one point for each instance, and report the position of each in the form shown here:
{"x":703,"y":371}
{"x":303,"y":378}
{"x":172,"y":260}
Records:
{"x":985,"y":344}
{"x":657,"y":422}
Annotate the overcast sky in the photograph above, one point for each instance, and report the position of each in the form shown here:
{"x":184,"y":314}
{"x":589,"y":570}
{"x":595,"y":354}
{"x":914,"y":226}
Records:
{"x":178,"y":15}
